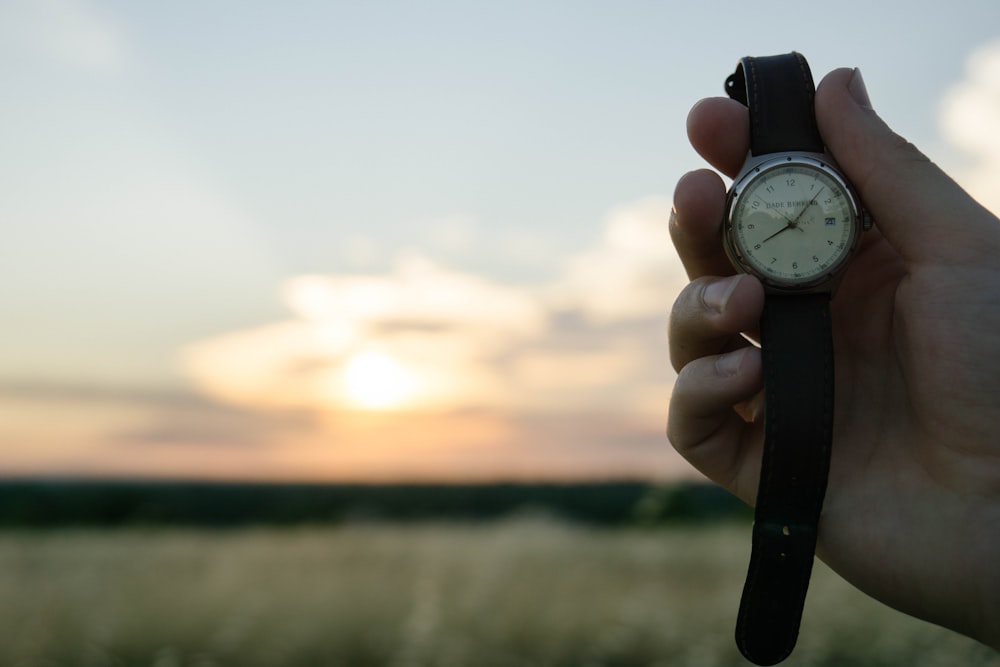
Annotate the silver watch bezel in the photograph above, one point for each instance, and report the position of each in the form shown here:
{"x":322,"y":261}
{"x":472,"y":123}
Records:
{"x":757,"y":167}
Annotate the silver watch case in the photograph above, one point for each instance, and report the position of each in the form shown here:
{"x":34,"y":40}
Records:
{"x":753,"y":167}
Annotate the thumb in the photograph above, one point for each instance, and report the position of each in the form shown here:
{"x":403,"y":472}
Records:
{"x":922,"y":212}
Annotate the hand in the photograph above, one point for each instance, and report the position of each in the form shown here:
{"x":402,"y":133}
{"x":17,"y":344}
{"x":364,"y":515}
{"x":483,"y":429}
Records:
{"x":912,"y":511}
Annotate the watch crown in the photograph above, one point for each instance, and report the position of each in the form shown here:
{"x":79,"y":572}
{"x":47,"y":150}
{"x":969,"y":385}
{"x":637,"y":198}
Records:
{"x":866,"y":220}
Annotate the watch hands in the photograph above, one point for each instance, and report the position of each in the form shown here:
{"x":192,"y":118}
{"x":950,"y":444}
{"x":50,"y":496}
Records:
{"x":806,"y":207}
{"x":790,"y":225}
{"x":794,"y":223}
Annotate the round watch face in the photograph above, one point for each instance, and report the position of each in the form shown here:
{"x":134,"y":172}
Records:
{"x":792,"y":222}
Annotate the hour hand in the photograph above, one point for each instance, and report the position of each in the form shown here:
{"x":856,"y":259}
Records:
{"x":790,"y":225}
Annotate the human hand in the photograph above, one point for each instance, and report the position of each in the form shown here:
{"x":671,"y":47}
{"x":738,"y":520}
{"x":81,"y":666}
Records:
{"x":912,"y":509}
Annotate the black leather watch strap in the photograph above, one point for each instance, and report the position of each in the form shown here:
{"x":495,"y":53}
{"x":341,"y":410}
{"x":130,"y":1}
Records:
{"x":797,"y":349}
{"x":779,"y":92}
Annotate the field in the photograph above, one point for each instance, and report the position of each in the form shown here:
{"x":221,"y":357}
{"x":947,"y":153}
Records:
{"x":528,"y":591}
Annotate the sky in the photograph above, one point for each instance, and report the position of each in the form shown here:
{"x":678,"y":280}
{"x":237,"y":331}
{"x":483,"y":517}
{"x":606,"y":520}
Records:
{"x":388,"y":241}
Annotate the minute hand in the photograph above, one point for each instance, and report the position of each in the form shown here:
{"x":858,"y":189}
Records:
{"x":806,"y":207}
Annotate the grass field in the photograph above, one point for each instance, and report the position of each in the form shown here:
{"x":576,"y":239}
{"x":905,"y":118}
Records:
{"x":520,"y":592}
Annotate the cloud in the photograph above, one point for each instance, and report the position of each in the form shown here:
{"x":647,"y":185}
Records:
{"x":499,"y":380}
{"x":94,"y":428}
{"x":628,"y":273}
{"x":418,"y":291}
{"x":169,"y":416}
{"x":439,"y":326}
{"x":591,"y":338}
{"x":970,"y":121}
{"x":103,"y":430}
{"x":71,"y":32}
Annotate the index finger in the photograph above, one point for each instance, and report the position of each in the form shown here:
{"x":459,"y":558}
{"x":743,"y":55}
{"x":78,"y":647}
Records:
{"x":699,"y":204}
{"x":719,"y":129}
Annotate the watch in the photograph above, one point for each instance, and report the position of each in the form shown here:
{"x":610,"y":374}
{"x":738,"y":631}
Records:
{"x":793,"y":221}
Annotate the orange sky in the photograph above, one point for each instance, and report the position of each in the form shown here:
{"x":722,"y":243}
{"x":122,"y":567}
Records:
{"x":377,"y":241}
{"x":205,"y":442}
{"x":421,"y":373}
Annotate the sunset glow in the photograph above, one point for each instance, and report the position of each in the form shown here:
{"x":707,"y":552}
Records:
{"x":374,"y":380}
{"x":368,"y":241}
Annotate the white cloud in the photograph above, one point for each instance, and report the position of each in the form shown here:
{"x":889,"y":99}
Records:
{"x":72,"y":32}
{"x":440,"y":327}
{"x":629,"y":274}
{"x":418,"y":291}
{"x":970,"y":120}
{"x":590,"y":339}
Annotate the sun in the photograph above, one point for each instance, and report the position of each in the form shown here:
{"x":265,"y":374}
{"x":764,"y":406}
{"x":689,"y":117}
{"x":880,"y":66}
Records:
{"x":376,"y":381}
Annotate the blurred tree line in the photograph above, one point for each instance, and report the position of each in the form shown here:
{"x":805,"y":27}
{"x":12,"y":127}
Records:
{"x":41,"y":504}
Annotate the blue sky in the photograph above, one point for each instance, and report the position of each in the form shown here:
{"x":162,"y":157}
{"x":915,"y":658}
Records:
{"x":181,"y":178}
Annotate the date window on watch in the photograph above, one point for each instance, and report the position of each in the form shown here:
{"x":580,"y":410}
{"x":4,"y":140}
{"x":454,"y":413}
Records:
{"x":829,"y":222}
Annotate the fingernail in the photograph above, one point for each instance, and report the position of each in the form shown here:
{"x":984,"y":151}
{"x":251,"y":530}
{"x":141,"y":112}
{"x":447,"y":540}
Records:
{"x":728,"y":365}
{"x":716,"y":294}
{"x":856,"y":87}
